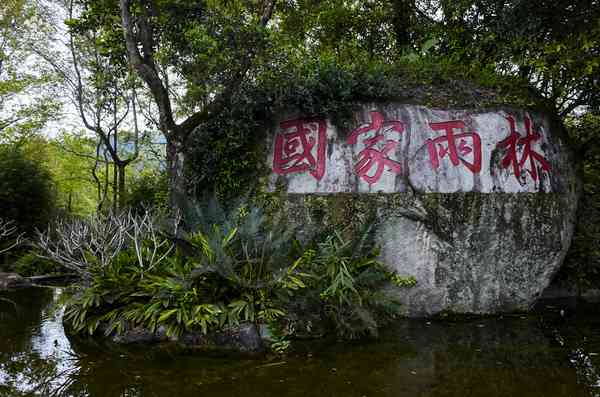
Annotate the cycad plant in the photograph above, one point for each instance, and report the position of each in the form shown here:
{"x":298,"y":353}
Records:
{"x":231,"y":267}
{"x":240,"y":267}
{"x":253,"y":259}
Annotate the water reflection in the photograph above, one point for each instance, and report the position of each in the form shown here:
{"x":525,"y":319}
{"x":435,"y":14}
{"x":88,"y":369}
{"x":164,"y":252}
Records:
{"x":35,"y":356}
{"x":493,"y":357}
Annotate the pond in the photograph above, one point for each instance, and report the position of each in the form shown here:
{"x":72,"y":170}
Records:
{"x":540,"y":354}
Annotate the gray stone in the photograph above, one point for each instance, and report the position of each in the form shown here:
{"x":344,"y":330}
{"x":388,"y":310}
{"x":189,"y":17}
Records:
{"x":481,"y":221}
{"x":244,"y":338}
{"x":140,"y":335}
{"x":13,"y":280}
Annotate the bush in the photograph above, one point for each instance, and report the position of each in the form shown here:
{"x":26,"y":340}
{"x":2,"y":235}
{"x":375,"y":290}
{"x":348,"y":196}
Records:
{"x":31,"y":264}
{"x":26,"y":191}
{"x":350,"y":287}
{"x":135,"y":274}
{"x":235,"y":266}
{"x":148,"y":190}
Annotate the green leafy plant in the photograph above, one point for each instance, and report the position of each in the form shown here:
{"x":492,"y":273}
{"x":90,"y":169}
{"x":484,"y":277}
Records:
{"x":226,"y":272}
{"x":353,"y":285}
{"x":232,"y":267}
{"x":31,"y":264}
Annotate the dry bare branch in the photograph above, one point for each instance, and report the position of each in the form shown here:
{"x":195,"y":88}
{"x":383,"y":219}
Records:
{"x":9,"y":236}
{"x":87,"y":245}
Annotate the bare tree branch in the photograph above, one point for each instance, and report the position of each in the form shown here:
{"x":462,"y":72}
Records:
{"x":85,"y":245}
{"x":9,"y":238}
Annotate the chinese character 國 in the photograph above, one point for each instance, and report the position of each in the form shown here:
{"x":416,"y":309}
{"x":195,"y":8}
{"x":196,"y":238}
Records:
{"x":300,"y":146}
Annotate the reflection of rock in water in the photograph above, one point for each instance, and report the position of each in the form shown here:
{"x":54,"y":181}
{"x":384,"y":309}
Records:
{"x":484,"y":357}
{"x":492,"y":357}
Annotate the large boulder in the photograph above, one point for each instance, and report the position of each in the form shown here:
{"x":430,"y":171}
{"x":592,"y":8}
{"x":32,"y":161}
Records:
{"x":478,"y":205}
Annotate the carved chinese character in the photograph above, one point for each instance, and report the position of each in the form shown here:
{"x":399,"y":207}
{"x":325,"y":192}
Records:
{"x":455,"y":146}
{"x":515,"y":141}
{"x":375,"y":155}
{"x":300,"y":146}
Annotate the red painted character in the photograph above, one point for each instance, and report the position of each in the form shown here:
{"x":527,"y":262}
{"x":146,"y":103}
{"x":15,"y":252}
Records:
{"x":300,"y":146}
{"x":371,"y":157}
{"x":515,"y":140}
{"x":457,"y":145}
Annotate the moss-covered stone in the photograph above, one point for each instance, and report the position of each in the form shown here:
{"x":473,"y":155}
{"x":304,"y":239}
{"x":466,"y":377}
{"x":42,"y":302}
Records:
{"x":482,"y":244}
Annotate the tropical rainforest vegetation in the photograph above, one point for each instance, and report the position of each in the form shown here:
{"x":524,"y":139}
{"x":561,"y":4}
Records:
{"x":116,"y":113}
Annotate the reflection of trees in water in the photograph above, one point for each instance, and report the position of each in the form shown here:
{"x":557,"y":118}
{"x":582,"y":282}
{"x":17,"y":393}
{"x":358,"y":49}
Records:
{"x":18,"y":323}
{"x":35,"y":356}
{"x":490,"y":357}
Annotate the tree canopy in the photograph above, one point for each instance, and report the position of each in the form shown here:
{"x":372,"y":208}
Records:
{"x":205,"y":74}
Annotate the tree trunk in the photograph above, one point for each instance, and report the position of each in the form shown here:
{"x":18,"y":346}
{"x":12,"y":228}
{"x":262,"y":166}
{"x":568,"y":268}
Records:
{"x":115,"y":183}
{"x":177,"y":185}
{"x":122,"y":194}
{"x":403,"y":21}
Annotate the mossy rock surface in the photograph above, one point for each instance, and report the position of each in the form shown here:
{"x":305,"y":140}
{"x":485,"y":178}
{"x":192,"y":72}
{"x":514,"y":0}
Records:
{"x":478,"y":205}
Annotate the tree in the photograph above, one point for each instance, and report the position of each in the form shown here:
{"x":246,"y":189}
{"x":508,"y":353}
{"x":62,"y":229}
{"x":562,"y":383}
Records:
{"x":212,"y":46}
{"x":104,"y":95}
{"x":553,"y":44}
{"x":26,"y":100}
{"x":71,"y":160}
{"x":151,"y":26}
{"x":26,"y":189}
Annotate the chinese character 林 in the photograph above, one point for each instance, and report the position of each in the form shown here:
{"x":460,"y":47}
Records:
{"x":528,"y":155}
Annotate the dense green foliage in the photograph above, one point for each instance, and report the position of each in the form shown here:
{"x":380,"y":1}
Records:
{"x":31,"y":264}
{"x":148,"y":190}
{"x":348,"y":287}
{"x":26,"y":191}
{"x":235,"y":267}
{"x":582,"y":265}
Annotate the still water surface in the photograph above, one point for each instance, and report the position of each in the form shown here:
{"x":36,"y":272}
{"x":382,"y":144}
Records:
{"x":541,"y":354}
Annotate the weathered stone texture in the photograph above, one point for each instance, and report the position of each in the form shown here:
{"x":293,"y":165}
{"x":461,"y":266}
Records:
{"x":477,"y":240}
